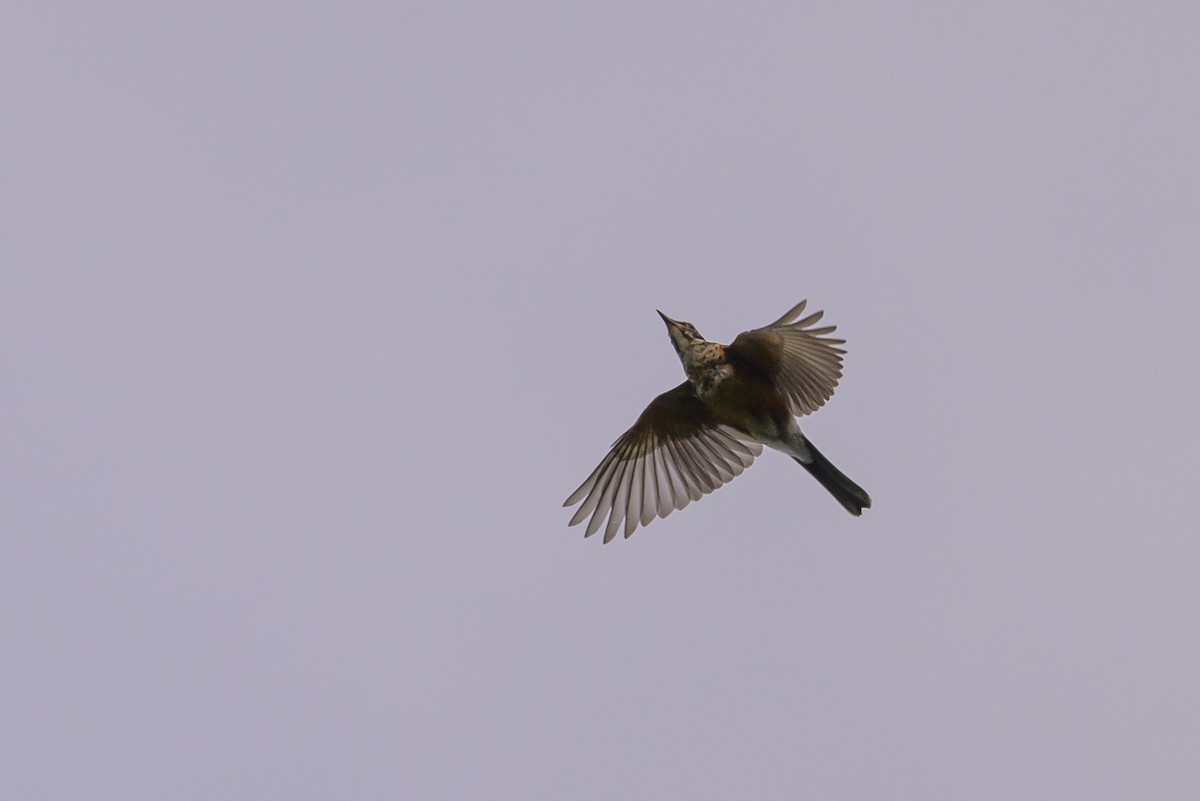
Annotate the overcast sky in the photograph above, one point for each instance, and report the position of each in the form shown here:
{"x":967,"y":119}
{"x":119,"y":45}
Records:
{"x":313,"y":314}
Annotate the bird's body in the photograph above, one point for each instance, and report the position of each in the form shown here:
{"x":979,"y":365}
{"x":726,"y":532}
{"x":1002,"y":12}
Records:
{"x":704,"y":432}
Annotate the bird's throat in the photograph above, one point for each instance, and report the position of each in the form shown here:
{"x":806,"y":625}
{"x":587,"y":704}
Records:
{"x":706,"y":367}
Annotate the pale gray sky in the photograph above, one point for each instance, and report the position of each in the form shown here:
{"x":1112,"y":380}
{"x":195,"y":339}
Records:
{"x":312,"y":315}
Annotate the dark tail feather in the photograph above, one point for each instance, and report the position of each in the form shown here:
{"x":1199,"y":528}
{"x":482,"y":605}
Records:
{"x":848,"y":494}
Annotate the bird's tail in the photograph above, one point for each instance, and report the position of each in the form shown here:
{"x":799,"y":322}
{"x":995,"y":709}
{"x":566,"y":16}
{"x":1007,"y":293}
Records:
{"x":848,"y":494}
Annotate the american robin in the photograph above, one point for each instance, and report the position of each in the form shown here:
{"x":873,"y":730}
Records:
{"x":700,"y":435}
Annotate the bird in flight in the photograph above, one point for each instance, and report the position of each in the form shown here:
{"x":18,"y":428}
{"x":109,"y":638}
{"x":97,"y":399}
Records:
{"x":698,"y":436}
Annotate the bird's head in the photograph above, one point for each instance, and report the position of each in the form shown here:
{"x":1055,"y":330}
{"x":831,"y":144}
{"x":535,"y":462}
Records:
{"x":683,"y":335}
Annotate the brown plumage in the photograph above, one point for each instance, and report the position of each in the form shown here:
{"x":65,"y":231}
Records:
{"x":700,"y":435}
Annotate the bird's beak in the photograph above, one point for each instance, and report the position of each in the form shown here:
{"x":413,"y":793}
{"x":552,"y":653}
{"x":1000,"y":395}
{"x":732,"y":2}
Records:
{"x":675,"y":331}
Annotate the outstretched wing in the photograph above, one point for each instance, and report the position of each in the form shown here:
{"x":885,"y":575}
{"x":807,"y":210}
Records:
{"x":673,"y":455}
{"x":805,"y":364}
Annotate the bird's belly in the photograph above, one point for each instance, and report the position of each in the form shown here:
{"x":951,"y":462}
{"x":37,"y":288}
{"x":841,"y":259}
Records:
{"x":754,"y":407}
